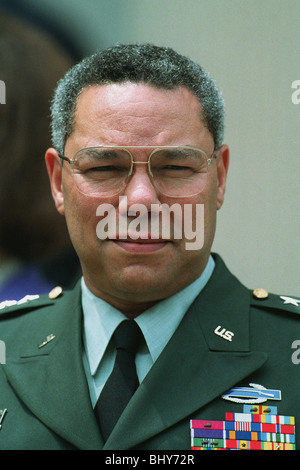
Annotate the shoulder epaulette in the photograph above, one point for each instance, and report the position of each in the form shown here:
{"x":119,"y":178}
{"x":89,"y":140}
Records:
{"x":29,"y":301}
{"x":262,"y":298}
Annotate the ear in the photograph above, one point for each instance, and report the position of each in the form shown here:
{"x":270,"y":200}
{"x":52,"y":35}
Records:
{"x":222,"y":170}
{"x":54,"y":168}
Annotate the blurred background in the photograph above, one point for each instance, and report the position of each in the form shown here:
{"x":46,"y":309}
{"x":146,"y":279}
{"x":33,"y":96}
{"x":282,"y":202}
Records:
{"x":251,"y":49}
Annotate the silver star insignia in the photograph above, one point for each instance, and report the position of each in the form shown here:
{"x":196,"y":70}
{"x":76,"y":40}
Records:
{"x":290,"y":300}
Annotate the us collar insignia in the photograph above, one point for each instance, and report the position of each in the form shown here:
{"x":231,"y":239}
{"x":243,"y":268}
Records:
{"x":2,"y":414}
{"x":257,"y":428}
{"x":223,"y":333}
{"x":255,"y":393}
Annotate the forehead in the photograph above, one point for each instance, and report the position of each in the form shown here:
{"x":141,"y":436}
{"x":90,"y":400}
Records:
{"x":128,"y":113}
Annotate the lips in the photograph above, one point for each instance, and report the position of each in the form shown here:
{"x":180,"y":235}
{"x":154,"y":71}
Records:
{"x":141,"y":245}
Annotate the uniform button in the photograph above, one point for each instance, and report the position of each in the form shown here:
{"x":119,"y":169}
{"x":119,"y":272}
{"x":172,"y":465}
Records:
{"x":56,"y":292}
{"x":261,"y":293}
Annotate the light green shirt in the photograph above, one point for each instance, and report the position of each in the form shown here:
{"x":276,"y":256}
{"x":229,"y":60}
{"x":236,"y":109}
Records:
{"x":158,"y":324}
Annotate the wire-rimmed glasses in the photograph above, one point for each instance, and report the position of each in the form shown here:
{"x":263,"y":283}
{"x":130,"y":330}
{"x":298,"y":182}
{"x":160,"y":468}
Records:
{"x":174,"y":171}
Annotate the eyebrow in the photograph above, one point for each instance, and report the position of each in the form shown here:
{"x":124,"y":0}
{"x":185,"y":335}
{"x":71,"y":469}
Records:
{"x":176,"y":154}
{"x":110,"y":154}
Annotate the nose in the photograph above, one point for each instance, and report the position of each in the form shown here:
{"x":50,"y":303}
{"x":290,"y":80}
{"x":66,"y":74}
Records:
{"x":140,"y":188}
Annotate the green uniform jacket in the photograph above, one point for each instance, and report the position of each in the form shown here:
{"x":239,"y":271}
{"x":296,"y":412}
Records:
{"x":227,"y":338}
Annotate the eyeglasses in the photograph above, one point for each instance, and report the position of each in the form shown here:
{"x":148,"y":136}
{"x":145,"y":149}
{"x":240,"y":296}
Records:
{"x":174,"y":171}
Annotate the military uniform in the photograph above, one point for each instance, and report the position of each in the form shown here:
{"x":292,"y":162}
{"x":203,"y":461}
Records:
{"x":230,"y":337}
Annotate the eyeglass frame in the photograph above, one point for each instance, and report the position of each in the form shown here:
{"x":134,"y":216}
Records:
{"x":209,"y":160}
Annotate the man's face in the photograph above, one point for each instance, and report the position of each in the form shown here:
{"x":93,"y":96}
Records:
{"x":130,"y":274}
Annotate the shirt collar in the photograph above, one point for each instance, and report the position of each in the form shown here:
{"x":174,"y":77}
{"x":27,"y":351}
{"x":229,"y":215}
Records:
{"x":101,"y":319}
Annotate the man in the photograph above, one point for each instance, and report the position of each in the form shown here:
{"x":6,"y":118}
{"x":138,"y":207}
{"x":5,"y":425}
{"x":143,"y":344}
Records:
{"x":139,"y":128}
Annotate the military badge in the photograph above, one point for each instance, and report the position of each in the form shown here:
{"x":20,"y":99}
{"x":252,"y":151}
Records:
{"x":256,"y":428}
{"x":255,"y":393}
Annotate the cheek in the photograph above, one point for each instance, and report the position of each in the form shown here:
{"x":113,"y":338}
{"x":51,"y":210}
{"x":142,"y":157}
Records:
{"x":80,"y":213}
{"x":204,"y":216}
{"x":82,"y":219}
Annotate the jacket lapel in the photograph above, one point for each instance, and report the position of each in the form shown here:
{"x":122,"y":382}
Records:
{"x":51,"y":380}
{"x":197,"y":365}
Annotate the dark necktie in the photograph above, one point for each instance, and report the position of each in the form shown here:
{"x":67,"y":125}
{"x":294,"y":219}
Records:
{"x":123,"y":381}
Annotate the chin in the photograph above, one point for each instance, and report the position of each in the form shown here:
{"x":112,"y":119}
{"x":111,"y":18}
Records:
{"x":139,"y":283}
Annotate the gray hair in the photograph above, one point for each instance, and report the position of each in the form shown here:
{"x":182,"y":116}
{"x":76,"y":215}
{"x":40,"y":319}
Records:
{"x":161,"y":67}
